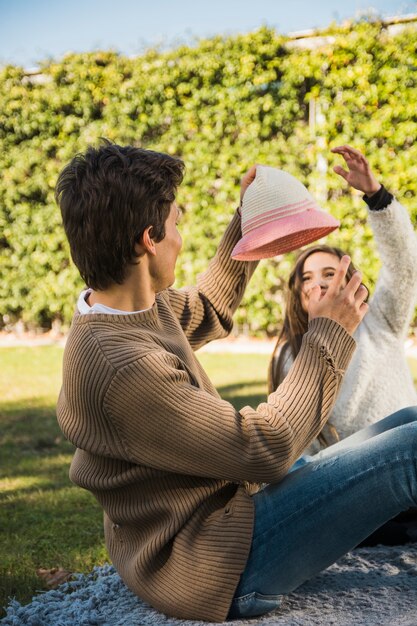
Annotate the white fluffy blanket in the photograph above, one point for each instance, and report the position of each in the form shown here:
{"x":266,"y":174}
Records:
{"x":368,"y":587}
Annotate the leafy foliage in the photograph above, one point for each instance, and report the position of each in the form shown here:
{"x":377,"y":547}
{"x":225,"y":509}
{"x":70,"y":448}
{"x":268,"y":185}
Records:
{"x":222,"y":106}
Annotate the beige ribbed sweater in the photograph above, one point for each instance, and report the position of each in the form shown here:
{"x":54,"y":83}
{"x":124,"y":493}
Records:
{"x":165,"y":456}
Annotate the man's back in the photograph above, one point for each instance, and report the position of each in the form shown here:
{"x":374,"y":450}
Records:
{"x":115,"y":369}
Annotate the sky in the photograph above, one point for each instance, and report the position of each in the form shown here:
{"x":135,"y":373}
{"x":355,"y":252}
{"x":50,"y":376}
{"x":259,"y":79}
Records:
{"x":36,"y":30}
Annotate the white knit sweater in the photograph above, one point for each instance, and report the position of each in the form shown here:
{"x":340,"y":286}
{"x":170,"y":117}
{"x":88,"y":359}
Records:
{"x":378,"y":381}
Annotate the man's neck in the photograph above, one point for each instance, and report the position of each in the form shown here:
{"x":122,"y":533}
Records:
{"x":129,"y":296}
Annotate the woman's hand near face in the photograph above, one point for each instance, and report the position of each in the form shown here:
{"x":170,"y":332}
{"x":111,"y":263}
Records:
{"x":343,"y":303}
{"x":359,"y":174}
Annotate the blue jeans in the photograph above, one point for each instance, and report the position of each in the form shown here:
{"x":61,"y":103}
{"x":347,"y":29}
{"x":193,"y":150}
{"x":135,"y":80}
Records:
{"x":325,"y":508}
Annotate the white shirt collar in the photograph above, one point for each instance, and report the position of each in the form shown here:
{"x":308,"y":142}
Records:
{"x":85,"y":309}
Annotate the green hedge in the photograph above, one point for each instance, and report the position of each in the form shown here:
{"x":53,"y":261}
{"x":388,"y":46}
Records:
{"x":222,"y":106}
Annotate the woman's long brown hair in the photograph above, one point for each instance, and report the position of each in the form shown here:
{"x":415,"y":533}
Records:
{"x":296,"y":321}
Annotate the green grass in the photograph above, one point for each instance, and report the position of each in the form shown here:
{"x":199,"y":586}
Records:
{"x":45,"y":521}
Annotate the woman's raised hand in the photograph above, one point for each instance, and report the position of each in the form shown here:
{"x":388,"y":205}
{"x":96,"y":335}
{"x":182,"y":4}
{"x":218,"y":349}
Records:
{"x":359,"y":174}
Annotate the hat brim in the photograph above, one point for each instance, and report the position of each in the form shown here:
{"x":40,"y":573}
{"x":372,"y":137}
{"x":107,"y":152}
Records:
{"x":284,"y":235}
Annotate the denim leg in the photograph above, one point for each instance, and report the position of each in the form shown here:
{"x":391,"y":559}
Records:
{"x":325,"y":508}
{"x":404,"y":416}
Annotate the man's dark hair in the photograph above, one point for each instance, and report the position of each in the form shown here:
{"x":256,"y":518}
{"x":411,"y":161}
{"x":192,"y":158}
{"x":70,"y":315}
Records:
{"x":108,"y":196}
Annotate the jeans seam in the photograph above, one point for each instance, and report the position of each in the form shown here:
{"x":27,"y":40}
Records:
{"x":270,"y":597}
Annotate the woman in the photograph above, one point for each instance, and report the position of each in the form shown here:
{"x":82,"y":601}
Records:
{"x":378,"y":380}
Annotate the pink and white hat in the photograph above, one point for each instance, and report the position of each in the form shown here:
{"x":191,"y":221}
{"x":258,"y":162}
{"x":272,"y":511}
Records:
{"x":279,"y":215}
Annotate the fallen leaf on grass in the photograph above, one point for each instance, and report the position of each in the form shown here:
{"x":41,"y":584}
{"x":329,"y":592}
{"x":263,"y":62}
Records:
{"x":54,"y":577}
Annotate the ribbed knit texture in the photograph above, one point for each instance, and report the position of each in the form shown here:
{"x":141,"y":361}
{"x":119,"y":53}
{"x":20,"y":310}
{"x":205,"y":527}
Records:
{"x":378,"y":381}
{"x":165,"y":456}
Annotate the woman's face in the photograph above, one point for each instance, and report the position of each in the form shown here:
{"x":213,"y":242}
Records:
{"x":319,"y":269}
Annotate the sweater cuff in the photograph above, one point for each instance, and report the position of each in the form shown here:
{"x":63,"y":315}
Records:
{"x":334,"y":338}
{"x":380,"y":200}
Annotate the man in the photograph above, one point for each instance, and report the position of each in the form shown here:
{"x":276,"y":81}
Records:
{"x":165,"y":456}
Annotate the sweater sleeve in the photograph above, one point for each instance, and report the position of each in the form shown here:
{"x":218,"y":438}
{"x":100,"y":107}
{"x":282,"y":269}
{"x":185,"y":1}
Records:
{"x":205,"y":312}
{"x":167,"y":422}
{"x":395,"y":295}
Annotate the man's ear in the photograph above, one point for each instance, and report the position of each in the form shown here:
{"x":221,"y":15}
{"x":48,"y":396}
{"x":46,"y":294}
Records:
{"x":146,"y":243}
